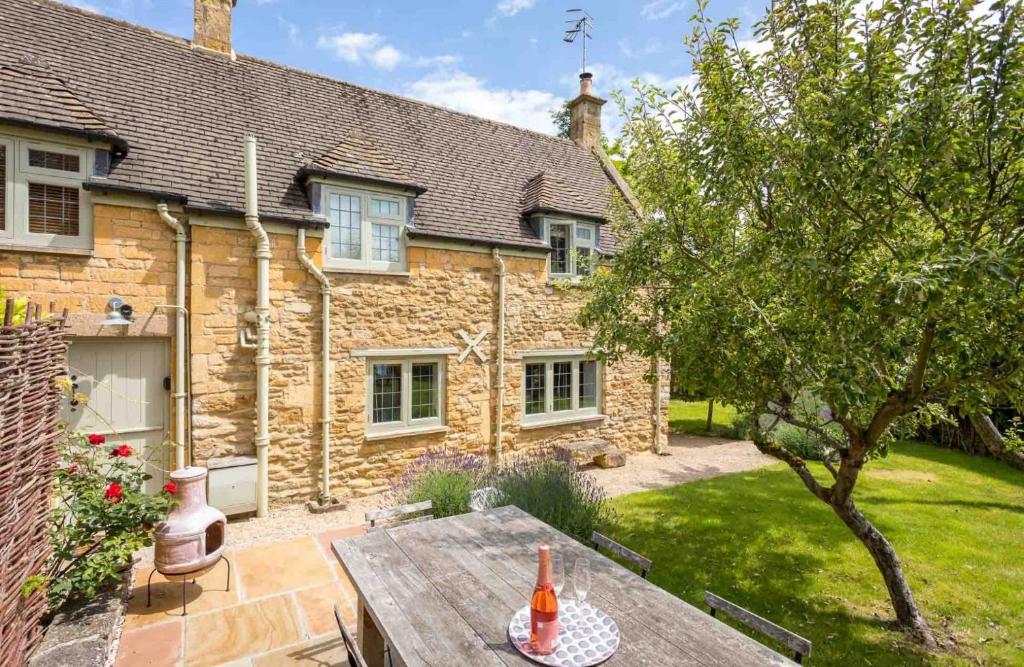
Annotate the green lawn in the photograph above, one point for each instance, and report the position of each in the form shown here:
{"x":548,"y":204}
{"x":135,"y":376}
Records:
{"x":692,"y":417}
{"x":761,"y":540}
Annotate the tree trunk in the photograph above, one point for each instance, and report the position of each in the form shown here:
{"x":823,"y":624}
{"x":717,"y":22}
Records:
{"x":711,"y":414}
{"x":993,"y":440}
{"x":908,"y":616}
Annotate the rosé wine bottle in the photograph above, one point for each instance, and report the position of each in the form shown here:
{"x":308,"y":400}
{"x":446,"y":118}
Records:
{"x":544,"y":607}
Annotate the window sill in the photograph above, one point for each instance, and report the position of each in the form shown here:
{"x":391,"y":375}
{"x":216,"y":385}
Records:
{"x":46,"y":250}
{"x":561,"y":421}
{"x":405,"y":432}
{"x":366,"y":272}
{"x":565,"y":282}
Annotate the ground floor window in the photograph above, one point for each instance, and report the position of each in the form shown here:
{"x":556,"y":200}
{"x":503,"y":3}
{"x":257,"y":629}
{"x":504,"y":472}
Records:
{"x":554,"y":388}
{"x":405,"y":393}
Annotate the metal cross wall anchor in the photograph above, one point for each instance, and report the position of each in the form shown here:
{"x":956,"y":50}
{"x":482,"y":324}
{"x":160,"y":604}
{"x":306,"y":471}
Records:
{"x":473,"y":345}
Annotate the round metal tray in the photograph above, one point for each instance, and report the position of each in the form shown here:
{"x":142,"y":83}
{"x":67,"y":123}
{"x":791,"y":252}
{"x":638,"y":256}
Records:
{"x":586,"y":636}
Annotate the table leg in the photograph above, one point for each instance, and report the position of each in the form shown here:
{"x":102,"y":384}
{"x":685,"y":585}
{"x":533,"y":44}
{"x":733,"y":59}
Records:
{"x":371,"y":643}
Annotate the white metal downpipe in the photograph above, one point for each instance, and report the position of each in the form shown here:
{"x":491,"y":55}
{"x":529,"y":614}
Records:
{"x":262,"y":254}
{"x":180,"y":389}
{"x":500,"y":416}
{"x":325,"y":381}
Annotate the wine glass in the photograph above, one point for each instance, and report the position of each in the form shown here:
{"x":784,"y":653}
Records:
{"x":581,"y":580}
{"x":557,"y":574}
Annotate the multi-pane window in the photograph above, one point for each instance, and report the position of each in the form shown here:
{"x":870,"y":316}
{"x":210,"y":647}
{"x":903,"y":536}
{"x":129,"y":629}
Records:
{"x":558,"y":388}
{"x":386,"y":246}
{"x":424,"y":391}
{"x":560,"y":248}
{"x":573,"y":248}
{"x":405,"y":394}
{"x":365,"y":231}
{"x":346,"y":217}
{"x":3,"y":187}
{"x":535,"y":387}
{"x":41,"y":198}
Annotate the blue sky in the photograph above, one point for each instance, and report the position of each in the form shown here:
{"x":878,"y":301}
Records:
{"x":503,"y":59}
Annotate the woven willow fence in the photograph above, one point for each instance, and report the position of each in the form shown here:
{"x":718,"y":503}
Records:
{"x":32,"y":356}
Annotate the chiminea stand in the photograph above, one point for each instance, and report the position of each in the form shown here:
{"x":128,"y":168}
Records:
{"x":192,"y":538}
{"x":184,"y":579}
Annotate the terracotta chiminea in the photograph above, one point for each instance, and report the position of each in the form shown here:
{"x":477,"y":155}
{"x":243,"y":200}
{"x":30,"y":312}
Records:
{"x":192,"y":538}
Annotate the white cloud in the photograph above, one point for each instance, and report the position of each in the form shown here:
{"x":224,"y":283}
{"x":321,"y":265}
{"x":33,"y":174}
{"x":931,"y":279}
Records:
{"x":659,"y":9}
{"x":463,"y":92}
{"x":443,"y":60}
{"x":386,"y":57}
{"x":513,"y":7}
{"x":291,"y":30}
{"x":362,"y":47}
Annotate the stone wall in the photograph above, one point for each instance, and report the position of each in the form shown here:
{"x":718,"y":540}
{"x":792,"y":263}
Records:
{"x":445,"y":291}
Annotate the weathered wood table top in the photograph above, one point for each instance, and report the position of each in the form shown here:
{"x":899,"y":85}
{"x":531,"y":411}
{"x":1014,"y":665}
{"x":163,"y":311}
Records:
{"x":442,"y":593}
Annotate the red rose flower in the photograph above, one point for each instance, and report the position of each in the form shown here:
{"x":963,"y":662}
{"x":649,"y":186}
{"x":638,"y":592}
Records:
{"x":113,"y":492}
{"x":73,"y":468}
{"x":95,"y":439}
{"x":123,"y":451}
{"x":171,"y":488}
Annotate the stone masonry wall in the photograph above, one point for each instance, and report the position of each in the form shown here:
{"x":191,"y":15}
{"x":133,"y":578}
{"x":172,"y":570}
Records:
{"x":444,"y":292}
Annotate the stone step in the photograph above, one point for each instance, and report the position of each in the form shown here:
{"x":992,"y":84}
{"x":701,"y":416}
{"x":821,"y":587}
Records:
{"x":594,"y":450}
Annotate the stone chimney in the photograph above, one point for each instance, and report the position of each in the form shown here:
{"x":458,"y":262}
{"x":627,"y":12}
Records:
{"x":585,"y":114}
{"x":213,"y":25}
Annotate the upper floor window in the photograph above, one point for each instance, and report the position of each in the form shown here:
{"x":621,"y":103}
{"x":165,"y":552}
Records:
{"x":366,"y":230}
{"x":42,"y":202}
{"x":573,"y":247}
{"x":555,"y":388}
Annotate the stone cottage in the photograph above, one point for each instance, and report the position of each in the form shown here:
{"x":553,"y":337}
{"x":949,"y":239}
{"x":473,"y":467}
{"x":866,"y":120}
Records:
{"x":435,"y":253}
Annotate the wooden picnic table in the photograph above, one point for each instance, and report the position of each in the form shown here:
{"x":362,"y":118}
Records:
{"x":442,"y":593}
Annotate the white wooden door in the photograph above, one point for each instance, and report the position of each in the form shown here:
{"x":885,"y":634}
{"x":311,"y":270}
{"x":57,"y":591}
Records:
{"x":124,"y":380}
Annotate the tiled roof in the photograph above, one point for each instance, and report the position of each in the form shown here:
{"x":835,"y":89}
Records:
{"x":546,"y":193}
{"x":185,"y":112}
{"x":32,"y":96}
{"x":358,"y":156}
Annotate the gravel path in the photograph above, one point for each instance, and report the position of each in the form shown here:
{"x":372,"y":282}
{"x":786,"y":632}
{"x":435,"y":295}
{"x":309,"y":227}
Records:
{"x":691,"y":458}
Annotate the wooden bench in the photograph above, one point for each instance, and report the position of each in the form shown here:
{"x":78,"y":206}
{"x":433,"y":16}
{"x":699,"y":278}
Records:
{"x":600,"y":452}
{"x":801,"y":647}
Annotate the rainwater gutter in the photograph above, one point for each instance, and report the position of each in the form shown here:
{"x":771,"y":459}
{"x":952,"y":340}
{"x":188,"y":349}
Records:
{"x":180,"y":387}
{"x":325,"y":381}
{"x":500,"y":416}
{"x":263,"y":255}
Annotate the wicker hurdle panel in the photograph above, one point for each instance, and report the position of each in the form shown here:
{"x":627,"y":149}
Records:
{"x":32,"y":356}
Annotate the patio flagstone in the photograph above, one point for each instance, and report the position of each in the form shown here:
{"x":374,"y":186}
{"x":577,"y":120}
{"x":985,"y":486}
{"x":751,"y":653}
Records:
{"x":279,"y":611}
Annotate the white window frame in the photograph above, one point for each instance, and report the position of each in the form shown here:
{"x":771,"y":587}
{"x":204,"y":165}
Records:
{"x":574,"y":243}
{"x":20,"y":174}
{"x":407,"y":424}
{"x":367,"y":220}
{"x":576,"y":413}
{"x":8,"y":185}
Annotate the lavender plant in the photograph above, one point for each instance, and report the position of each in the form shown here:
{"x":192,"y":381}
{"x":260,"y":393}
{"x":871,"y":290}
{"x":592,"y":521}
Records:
{"x":554,"y":491}
{"x":444,"y":476}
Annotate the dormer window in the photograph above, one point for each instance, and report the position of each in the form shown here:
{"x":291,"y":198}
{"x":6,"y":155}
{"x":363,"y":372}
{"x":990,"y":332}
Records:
{"x":42,"y":203}
{"x":366,"y":230}
{"x":573,"y":248}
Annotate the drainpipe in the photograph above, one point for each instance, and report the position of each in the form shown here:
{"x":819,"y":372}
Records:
{"x":179,"y":336}
{"x":262,"y":254}
{"x":325,"y":381}
{"x":499,"y":421}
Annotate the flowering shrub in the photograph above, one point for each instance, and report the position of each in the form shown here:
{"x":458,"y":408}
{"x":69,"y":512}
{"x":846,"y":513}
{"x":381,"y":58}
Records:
{"x":101,"y":516}
{"x":445,"y":476}
{"x":554,"y":491}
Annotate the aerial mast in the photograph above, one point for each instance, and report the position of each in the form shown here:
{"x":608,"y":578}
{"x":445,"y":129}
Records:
{"x":580,"y":25}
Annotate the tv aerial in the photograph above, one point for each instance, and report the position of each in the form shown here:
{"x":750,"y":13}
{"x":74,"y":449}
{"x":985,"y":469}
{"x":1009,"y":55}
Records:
{"x":581,"y":23}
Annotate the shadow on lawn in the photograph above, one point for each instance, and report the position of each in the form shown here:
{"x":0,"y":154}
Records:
{"x":701,"y":539}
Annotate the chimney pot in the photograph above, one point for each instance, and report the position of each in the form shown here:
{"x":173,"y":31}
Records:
{"x":213,"y":25}
{"x":585,"y":114}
